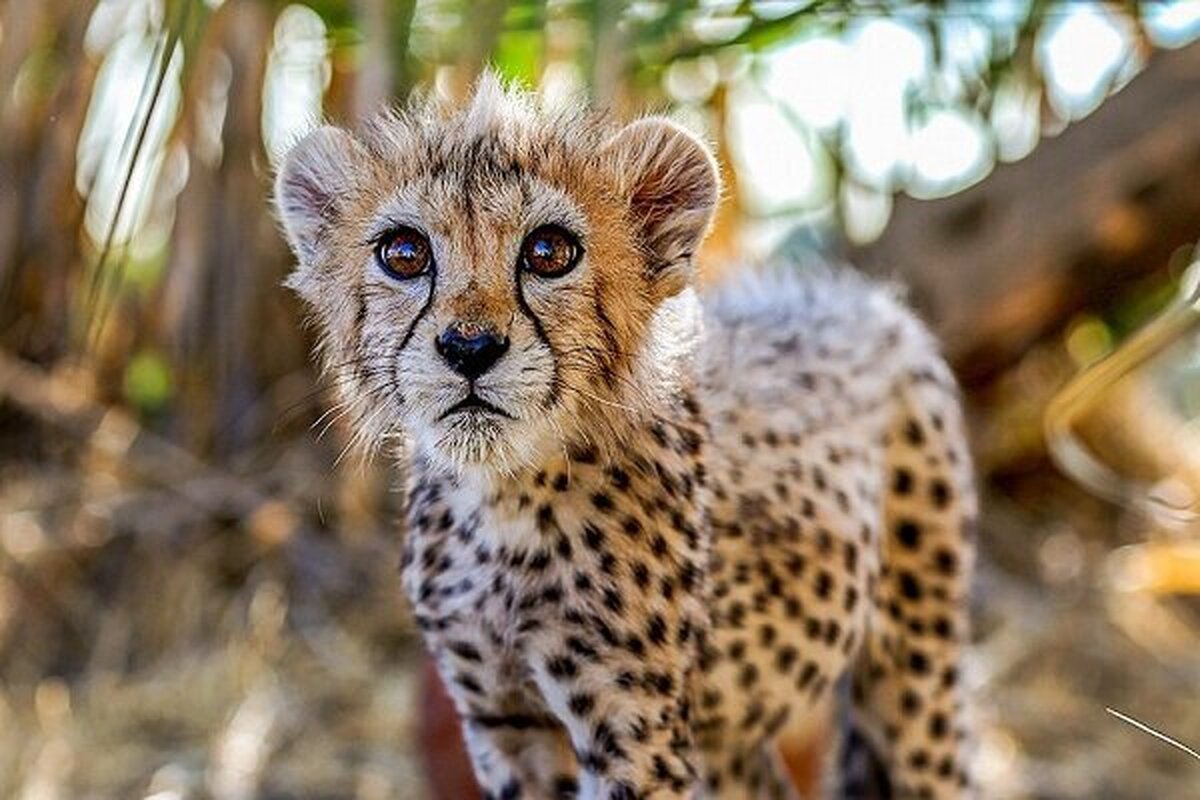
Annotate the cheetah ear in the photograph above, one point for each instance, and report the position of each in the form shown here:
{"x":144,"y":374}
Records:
{"x":672,"y":185}
{"x":311,"y":185}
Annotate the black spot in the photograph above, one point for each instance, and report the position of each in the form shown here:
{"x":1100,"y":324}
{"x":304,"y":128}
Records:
{"x":581,"y":703}
{"x":468,"y":682}
{"x":688,"y":576}
{"x":581,"y":648}
{"x":602,"y":501}
{"x":785,"y":657}
{"x":563,"y":548}
{"x":656,"y":630}
{"x":947,"y":562}
{"x":658,"y":546}
{"x":565,"y":787}
{"x":466,"y":651}
{"x":623,"y":791}
{"x":910,"y":587}
{"x":619,"y":478}
{"x":689,"y":441}
{"x":593,"y":537}
{"x":612,"y":599}
{"x":635,"y":645}
{"x":520,"y":722}
{"x":940,"y":493}
{"x":748,"y":676}
{"x":562,"y":667}
{"x":909,"y":534}
{"x":584,"y":454}
{"x":661,"y":682}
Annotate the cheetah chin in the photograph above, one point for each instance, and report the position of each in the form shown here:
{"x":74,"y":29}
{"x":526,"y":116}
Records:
{"x":650,"y":527}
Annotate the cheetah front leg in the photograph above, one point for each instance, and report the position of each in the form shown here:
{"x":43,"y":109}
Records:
{"x":516,"y":756}
{"x":626,"y":716}
{"x":754,"y":774}
{"x":517,"y":748}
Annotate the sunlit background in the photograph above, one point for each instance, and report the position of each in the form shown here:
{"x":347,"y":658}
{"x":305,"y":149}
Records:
{"x":826,"y":117}
{"x":197,"y":599}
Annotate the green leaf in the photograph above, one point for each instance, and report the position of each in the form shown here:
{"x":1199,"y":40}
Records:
{"x":518,"y":55}
{"x":148,"y":381}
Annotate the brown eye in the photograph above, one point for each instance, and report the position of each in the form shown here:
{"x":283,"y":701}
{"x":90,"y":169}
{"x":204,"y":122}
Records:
{"x":403,"y":253}
{"x":550,"y":251}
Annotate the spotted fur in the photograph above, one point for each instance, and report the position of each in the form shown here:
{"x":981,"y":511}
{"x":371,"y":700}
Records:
{"x":697,"y":512}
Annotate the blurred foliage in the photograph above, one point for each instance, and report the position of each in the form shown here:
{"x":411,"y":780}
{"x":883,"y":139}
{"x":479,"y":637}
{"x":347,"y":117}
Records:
{"x":148,"y":381}
{"x":178,"y":254}
{"x":168,"y":516}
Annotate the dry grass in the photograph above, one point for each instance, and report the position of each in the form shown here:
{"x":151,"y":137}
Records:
{"x":185,"y":633}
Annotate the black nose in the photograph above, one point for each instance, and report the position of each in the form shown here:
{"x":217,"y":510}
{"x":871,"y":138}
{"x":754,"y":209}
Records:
{"x":471,"y":356}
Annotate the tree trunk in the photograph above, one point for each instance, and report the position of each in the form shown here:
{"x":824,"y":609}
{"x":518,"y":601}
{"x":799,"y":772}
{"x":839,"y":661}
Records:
{"x":1105,"y":203}
{"x":223,"y":309}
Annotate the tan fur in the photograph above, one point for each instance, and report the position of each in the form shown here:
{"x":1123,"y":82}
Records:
{"x":477,"y":181}
{"x":685,"y":518}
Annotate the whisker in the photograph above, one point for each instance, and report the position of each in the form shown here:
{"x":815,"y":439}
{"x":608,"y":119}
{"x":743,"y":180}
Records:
{"x":1153,"y":732}
{"x":601,"y":400}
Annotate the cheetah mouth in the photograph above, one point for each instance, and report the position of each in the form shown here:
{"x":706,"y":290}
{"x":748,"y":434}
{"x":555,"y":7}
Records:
{"x":472,"y":405}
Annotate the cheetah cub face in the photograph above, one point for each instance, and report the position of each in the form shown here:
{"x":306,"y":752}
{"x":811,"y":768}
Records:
{"x":490,"y":280}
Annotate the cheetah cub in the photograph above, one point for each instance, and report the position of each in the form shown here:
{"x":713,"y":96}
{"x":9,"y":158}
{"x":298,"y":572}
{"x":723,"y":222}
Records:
{"x":647,"y":524}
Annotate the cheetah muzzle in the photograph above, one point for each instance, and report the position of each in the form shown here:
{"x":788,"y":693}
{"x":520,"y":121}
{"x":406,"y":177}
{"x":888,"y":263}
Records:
{"x":648,"y":526}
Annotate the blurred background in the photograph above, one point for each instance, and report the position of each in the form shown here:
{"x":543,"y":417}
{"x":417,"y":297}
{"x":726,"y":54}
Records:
{"x":198,"y":596}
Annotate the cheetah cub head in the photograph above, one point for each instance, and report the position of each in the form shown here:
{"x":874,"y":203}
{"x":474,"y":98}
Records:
{"x":494,"y":279}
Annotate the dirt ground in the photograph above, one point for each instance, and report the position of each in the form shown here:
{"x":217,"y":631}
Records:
{"x":163,"y":640}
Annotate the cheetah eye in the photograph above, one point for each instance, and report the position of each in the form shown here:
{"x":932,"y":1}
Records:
{"x":550,"y":251}
{"x":403,"y":253}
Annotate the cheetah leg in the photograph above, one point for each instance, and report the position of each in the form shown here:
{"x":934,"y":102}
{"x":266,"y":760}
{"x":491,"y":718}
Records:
{"x":768,"y":778}
{"x":627,"y":723}
{"x":516,"y":755}
{"x":757,"y":774}
{"x":632,"y":752}
{"x":907,"y":692}
{"x":516,"y":747}
{"x":860,"y":774}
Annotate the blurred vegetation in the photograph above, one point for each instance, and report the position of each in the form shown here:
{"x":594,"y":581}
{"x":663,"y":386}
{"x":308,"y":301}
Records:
{"x":135,"y":234}
{"x":166,"y":514}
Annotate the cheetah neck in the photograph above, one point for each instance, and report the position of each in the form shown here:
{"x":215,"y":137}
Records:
{"x":638,"y":458}
{"x":629,"y":467}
